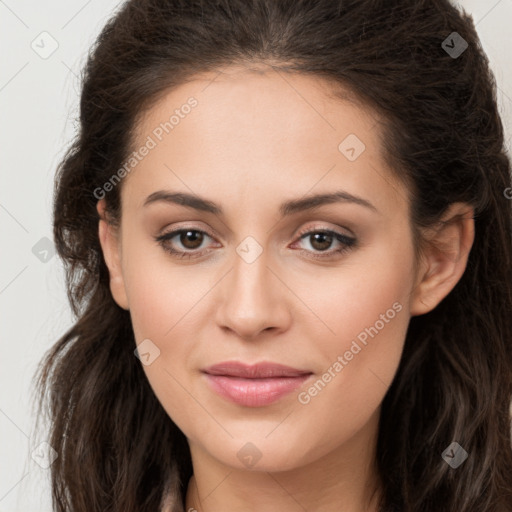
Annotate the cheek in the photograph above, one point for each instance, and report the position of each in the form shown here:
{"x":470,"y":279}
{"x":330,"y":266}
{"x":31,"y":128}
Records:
{"x":367,"y":311}
{"x":159,"y":292}
{"x":360,"y":293}
{"x":162,"y":305}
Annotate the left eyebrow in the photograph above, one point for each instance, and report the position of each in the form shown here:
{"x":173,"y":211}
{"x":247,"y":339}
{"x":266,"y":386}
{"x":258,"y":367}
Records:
{"x":310,"y":202}
{"x":286,"y":208}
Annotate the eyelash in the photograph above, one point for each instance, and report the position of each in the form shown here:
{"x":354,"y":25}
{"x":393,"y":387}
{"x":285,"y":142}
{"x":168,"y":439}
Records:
{"x":346,"y":241}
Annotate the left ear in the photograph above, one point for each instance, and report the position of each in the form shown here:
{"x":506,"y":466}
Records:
{"x":445,"y":252}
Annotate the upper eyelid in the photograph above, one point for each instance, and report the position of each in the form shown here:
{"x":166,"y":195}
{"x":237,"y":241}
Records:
{"x":314,"y":229}
{"x":178,"y":229}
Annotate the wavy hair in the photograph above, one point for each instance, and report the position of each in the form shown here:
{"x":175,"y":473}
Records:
{"x":443,"y":136}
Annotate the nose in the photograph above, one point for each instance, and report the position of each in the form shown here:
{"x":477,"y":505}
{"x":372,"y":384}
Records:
{"x":252,"y":298}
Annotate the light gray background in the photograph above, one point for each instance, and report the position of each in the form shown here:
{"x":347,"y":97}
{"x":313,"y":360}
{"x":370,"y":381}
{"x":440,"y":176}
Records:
{"x":38,"y":107}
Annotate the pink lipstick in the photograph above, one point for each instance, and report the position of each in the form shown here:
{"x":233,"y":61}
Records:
{"x":254,"y":385}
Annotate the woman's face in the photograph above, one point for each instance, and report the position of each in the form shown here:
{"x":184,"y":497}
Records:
{"x":247,"y":285}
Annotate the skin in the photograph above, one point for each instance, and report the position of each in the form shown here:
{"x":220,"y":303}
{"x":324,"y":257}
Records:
{"x":257,"y":138}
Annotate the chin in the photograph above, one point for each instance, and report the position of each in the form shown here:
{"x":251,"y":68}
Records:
{"x":265,"y":454}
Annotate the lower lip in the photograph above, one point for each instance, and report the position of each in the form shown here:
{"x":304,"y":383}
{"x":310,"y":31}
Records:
{"x":254,"y":392}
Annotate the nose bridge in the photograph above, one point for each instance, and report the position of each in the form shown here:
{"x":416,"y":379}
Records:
{"x":249,"y":283}
{"x":252,"y":298}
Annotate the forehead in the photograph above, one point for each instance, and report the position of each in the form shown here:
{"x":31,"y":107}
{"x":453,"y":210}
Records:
{"x":240,"y":127}
{"x":241,"y":104}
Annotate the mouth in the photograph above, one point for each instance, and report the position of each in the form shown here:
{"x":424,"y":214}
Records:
{"x":254,"y":385}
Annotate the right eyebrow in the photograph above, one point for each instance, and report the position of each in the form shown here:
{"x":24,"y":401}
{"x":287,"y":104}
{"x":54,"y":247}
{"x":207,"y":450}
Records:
{"x":184,"y":199}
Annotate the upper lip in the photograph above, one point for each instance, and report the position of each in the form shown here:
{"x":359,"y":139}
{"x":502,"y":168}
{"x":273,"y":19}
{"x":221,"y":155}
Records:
{"x":256,"y":371}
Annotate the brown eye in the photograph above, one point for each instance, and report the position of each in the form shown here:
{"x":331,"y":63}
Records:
{"x":325,"y":243}
{"x":320,"y":240}
{"x":185,"y":243}
{"x":191,"y":239}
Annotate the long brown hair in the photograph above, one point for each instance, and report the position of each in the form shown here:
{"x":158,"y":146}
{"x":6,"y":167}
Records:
{"x":117,"y":448}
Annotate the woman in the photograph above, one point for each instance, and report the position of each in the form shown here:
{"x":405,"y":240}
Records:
{"x":288,"y":249}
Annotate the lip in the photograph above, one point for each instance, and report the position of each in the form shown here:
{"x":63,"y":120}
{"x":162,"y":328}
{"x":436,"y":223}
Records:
{"x":254,"y":385}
